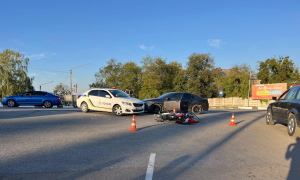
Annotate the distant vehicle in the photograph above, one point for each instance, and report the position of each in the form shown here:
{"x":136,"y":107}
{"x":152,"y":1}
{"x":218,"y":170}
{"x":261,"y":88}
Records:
{"x":110,"y":100}
{"x":181,"y":101}
{"x":32,"y":98}
{"x":286,"y":109}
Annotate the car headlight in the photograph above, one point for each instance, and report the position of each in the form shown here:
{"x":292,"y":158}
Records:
{"x":127,"y":103}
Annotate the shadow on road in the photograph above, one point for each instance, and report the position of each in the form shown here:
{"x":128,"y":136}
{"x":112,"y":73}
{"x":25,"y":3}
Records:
{"x":240,"y":122}
{"x":293,"y":153}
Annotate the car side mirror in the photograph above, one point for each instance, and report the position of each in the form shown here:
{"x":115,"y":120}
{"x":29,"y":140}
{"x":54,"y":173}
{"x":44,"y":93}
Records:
{"x":167,"y":99}
{"x":107,"y":96}
{"x":274,"y":98}
{"x":20,"y":95}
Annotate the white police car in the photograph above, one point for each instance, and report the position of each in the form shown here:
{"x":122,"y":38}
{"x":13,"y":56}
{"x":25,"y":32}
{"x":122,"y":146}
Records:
{"x":110,"y":100}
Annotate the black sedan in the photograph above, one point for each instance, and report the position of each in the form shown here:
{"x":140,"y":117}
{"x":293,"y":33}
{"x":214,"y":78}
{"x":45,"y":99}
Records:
{"x":181,"y":101}
{"x":286,"y":109}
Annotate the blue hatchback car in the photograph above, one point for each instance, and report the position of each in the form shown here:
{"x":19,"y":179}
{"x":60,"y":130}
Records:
{"x":33,"y":98}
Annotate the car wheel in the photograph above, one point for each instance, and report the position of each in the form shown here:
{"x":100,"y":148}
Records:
{"x":84,"y":107}
{"x":292,"y":126}
{"x":197,"y":109}
{"x":269,"y":118}
{"x":117,"y":110}
{"x":48,"y":104}
{"x":155,"y":109}
{"x":11,"y":103}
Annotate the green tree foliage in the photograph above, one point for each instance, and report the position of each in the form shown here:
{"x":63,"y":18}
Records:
{"x":236,"y":82}
{"x":13,"y":73}
{"x":131,"y":77}
{"x":109,"y":75}
{"x":158,"y":76}
{"x":200,"y":75}
{"x":61,"y":90}
{"x":280,"y":70}
{"x":116,"y":74}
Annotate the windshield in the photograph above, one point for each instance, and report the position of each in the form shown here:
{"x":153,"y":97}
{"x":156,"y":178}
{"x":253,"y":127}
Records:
{"x":165,"y":95}
{"x":118,"y":93}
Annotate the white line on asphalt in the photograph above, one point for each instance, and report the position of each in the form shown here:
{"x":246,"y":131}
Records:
{"x":150,"y":168}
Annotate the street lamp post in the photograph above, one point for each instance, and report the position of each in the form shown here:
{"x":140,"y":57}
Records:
{"x":249,"y":88}
{"x":71,"y":80}
{"x":44,"y":84}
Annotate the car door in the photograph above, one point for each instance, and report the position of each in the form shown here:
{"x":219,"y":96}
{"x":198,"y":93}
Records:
{"x":105,"y":100}
{"x":38,"y":98}
{"x":275,"y":106}
{"x":284,"y":104}
{"x":25,"y":99}
{"x":172,"y":102}
{"x":296,"y":104}
{"x":94,"y":96}
{"x":185,"y":101}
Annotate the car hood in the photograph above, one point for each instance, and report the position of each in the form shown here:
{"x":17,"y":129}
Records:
{"x":154,"y":99}
{"x":130,"y":99}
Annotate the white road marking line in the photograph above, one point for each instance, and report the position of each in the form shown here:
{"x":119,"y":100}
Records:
{"x":150,"y":168}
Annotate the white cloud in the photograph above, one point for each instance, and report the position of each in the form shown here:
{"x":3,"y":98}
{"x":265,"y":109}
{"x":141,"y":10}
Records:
{"x":215,"y":43}
{"x":41,"y":55}
{"x":146,"y":48}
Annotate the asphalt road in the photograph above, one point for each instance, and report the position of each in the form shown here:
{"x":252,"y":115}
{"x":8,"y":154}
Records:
{"x":69,"y":144}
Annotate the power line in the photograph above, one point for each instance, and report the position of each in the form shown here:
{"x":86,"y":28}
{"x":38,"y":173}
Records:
{"x":47,"y":70}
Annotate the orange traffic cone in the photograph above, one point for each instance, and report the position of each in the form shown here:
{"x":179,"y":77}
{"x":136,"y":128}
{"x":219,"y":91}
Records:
{"x":133,"y":127}
{"x":174,"y":111}
{"x":232,"y":123}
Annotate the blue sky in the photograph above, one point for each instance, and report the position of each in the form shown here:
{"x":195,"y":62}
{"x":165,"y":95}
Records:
{"x":60,"y":35}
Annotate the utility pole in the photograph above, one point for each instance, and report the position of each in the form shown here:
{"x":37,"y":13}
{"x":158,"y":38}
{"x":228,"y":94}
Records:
{"x":249,"y":88}
{"x":71,"y":80}
{"x":71,"y":85}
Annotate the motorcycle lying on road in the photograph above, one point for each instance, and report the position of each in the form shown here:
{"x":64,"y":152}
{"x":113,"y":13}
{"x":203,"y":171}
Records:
{"x":181,"y":118}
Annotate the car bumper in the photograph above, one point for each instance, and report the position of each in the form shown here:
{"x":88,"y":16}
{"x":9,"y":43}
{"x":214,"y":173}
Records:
{"x":132,"y":110}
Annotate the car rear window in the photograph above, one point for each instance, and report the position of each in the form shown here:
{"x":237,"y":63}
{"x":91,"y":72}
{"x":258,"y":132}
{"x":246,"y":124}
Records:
{"x":93,"y":93}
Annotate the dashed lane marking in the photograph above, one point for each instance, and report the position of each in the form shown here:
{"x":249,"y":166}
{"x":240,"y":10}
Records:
{"x":150,"y":169}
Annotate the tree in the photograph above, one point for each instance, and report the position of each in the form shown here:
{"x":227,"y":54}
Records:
{"x":158,"y":76}
{"x":61,"y":90}
{"x":236,"y":82}
{"x":200,"y":75}
{"x":13,"y":73}
{"x":109,"y":75}
{"x":131,"y":77}
{"x":280,"y":70}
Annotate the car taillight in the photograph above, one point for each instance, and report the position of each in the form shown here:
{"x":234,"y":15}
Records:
{"x":58,"y":98}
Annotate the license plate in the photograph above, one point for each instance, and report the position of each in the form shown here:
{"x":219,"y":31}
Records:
{"x":139,"y":108}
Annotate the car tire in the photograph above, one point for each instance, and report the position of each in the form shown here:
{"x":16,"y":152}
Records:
{"x":197,"y":109}
{"x":155,"y":109}
{"x":117,"y":110}
{"x":48,"y":104}
{"x":292,"y":126}
{"x":269,"y":118}
{"x":11,"y":103}
{"x":84,"y":107}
